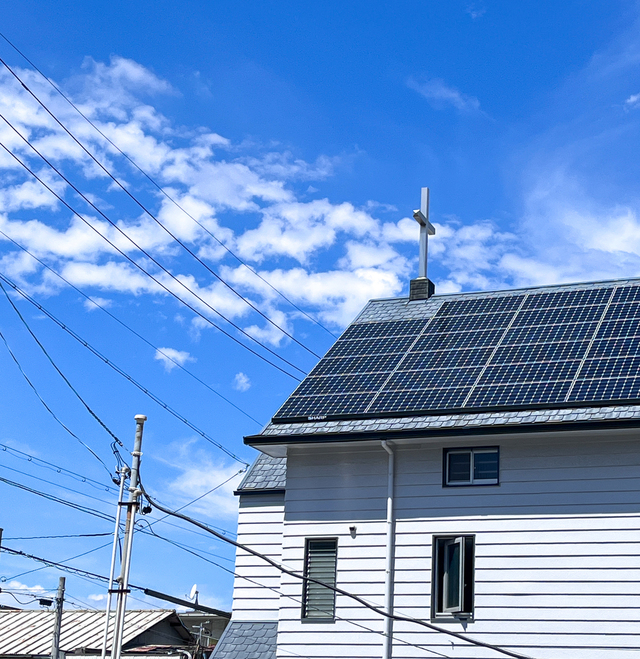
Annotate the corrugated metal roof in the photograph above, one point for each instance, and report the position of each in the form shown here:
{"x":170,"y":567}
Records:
{"x":266,"y":473}
{"x":29,"y":632}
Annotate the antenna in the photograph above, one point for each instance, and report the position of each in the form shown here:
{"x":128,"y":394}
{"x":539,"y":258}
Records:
{"x":194,"y":591}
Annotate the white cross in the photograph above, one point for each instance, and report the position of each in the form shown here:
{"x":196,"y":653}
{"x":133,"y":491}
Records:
{"x":426,"y":229}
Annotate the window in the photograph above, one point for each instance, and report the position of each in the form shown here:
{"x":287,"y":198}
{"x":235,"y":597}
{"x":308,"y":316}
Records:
{"x":452,"y":576}
{"x":471,"y":466}
{"x":319,"y":602}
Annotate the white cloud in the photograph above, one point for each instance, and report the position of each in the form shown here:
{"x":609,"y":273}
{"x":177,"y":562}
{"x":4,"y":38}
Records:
{"x":95,"y":302}
{"x":632,"y":102}
{"x":23,"y":592}
{"x":199,"y":473}
{"x":241,"y":382}
{"x":170,"y":358}
{"x":441,"y":95}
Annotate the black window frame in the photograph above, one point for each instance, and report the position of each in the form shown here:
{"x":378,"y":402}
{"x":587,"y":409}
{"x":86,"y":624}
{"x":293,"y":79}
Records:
{"x":439,"y":577}
{"x":484,"y":482}
{"x":305,"y":609}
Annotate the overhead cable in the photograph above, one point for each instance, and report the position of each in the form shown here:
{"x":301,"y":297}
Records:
{"x":162,"y":190}
{"x":130,"y":329}
{"x":53,"y":467}
{"x":177,"y":280}
{"x":119,"y":370}
{"x":148,"y":212}
{"x":51,"y":412}
{"x":335,"y":589}
{"x":60,"y":373}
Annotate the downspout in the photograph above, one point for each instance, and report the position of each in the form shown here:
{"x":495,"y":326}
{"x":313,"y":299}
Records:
{"x":389,"y":548}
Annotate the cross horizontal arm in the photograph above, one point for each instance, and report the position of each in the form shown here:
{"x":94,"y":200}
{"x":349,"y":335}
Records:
{"x":419,"y":217}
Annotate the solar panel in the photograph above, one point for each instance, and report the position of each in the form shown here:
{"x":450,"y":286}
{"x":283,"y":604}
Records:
{"x":531,"y":348}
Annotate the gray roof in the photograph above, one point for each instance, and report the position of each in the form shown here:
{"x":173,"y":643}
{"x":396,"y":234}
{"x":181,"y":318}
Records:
{"x":440,"y":422}
{"x":29,"y":632}
{"x":432,"y":420}
{"x":266,"y":473}
{"x":247,"y":640}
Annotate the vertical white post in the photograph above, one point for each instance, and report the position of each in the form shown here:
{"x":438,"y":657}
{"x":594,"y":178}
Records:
{"x":424,"y":236}
{"x":57,"y":624}
{"x":390,"y":550}
{"x":124,"y":472}
{"x":132,"y":506}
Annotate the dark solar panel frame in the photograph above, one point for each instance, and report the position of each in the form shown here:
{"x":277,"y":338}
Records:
{"x":483,"y":353}
{"x":361,"y":364}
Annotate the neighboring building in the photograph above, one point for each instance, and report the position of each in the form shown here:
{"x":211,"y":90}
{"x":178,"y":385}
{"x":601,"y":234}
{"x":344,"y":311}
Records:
{"x":205,"y":627}
{"x":469,"y":460}
{"x":28,"y":633}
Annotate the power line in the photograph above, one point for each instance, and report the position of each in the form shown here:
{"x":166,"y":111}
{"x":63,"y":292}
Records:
{"x":119,"y":370}
{"x":84,"y":553}
{"x":55,"y":499}
{"x":148,"y":255}
{"x":60,"y":373}
{"x":56,"y":537}
{"x":53,"y":467}
{"x":91,"y":511}
{"x":63,"y":487}
{"x":163,"y":191}
{"x":121,"y":322}
{"x":335,"y":589}
{"x":202,"y":496}
{"x":148,"y":212}
{"x":51,"y":412}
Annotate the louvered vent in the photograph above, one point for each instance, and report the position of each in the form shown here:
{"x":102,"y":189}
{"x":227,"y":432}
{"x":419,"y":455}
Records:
{"x":320,"y":564}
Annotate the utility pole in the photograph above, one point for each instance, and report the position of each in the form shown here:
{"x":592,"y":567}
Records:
{"x":57,"y":624}
{"x":124,"y":474}
{"x":132,"y":507}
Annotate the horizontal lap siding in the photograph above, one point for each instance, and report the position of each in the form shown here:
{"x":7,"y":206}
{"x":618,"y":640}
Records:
{"x":557,"y":557}
{"x":257,"y":596}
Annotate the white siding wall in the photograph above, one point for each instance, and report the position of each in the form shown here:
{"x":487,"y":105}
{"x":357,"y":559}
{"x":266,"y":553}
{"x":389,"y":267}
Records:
{"x":260,"y":527}
{"x":557,"y":571}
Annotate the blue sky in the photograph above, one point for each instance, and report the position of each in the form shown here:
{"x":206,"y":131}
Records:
{"x":299,"y":136}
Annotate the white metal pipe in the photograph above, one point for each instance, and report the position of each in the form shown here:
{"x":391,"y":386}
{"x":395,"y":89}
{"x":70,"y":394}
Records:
{"x":114,"y":551}
{"x":390,"y":550}
{"x":132,"y":505}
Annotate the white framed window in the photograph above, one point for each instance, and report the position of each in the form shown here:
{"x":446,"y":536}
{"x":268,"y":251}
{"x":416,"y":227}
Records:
{"x":452,"y":582}
{"x":471,"y":466}
{"x":320,"y":562}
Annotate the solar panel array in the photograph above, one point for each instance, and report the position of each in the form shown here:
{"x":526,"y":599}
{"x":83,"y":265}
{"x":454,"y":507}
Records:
{"x":514,"y":350}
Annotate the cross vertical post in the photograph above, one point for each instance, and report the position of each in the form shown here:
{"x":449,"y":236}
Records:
{"x":426,"y":229}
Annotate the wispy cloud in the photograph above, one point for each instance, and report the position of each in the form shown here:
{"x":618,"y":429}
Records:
{"x":476,"y":11}
{"x":440,"y":95}
{"x":241,"y":382}
{"x":632,"y":102}
{"x":171,"y":358}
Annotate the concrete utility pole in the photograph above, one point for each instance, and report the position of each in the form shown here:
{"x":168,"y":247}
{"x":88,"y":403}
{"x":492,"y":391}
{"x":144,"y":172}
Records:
{"x":132,"y":507}
{"x":57,"y":624}
{"x":124,"y":474}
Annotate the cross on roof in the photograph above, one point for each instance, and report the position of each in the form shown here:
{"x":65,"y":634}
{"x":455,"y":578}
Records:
{"x":427,"y":229}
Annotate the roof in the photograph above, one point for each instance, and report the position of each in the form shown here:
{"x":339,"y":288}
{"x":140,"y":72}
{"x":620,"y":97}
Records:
{"x":535,"y":356}
{"x":247,"y":640}
{"x":29,"y":632}
{"x":265,"y":474}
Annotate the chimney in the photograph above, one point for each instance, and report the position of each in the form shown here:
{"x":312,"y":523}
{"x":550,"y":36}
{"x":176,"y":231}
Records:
{"x":422,"y":288}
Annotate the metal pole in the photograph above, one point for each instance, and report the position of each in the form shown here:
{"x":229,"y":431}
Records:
{"x":57,"y":623}
{"x":124,"y":472}
{"x":387,"y":648}
{"x":132,"y":506}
